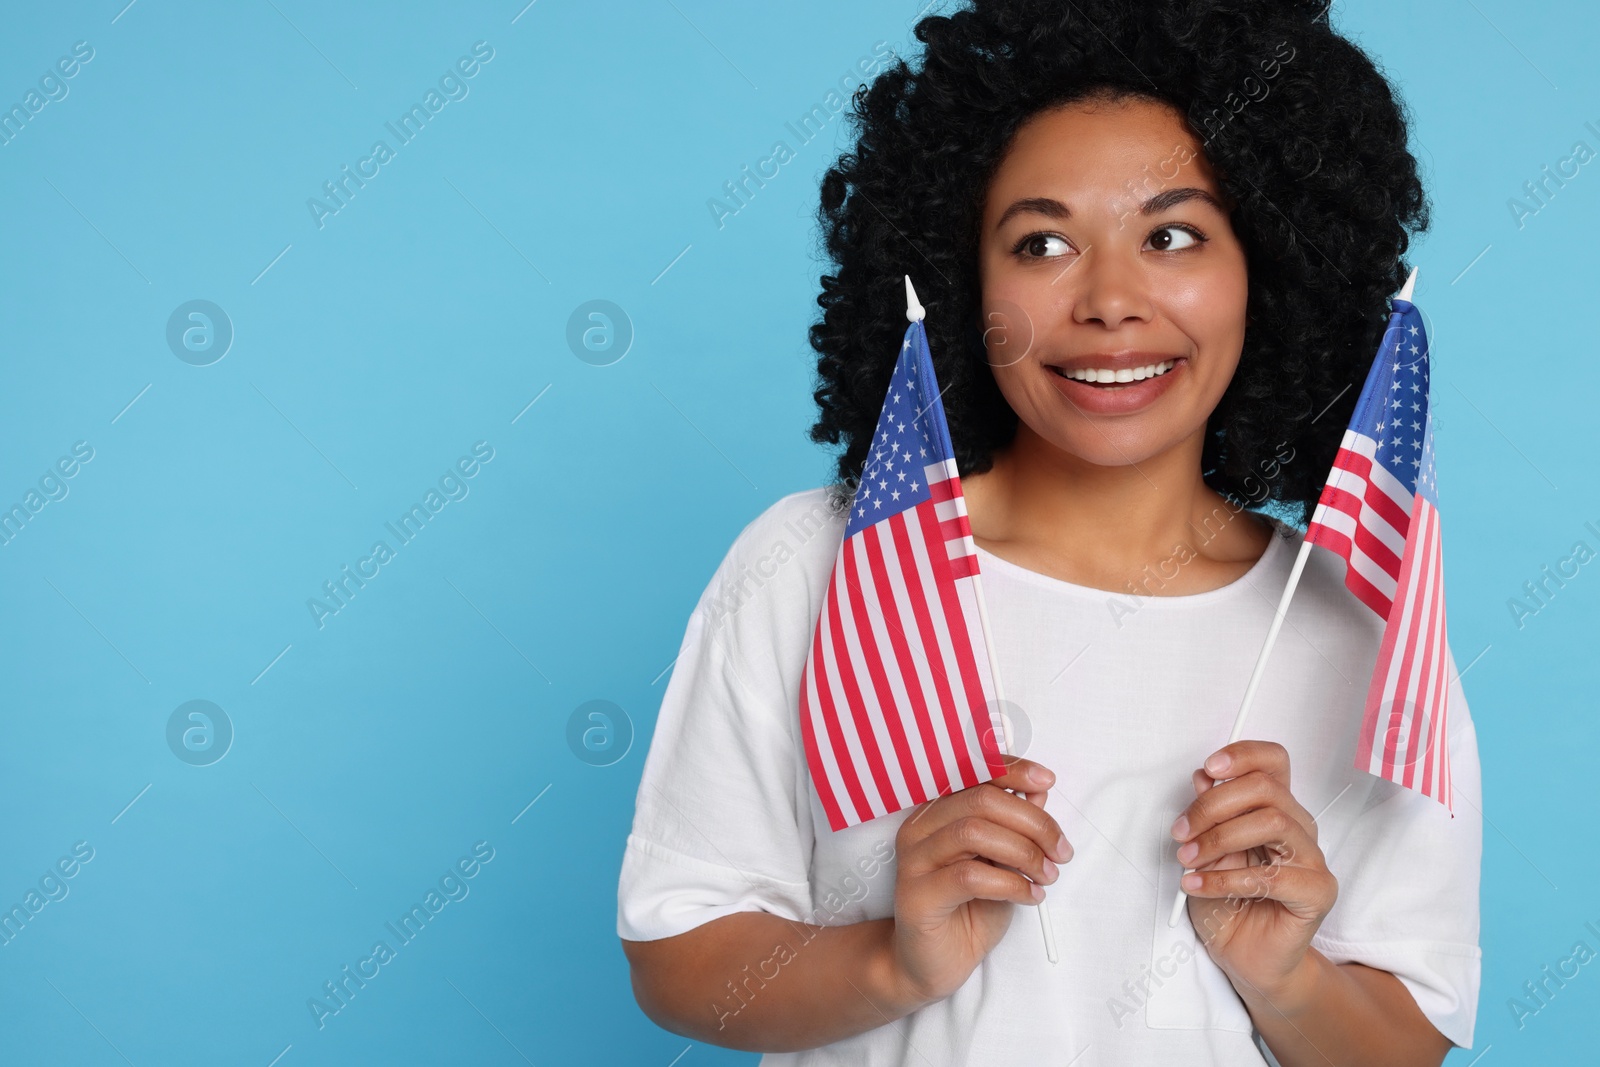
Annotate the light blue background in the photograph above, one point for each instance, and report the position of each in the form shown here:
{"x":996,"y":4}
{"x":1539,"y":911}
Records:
{"x":425,"y":316}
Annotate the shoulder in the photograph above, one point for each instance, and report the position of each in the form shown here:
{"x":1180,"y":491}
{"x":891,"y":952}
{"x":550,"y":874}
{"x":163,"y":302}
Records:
{"x":780,"y":560}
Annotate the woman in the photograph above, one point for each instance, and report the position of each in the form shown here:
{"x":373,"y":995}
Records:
{"x":1155,"y":241}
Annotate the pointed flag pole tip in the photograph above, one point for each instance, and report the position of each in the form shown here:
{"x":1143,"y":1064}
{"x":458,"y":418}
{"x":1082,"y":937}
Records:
{"x":1405,"y":290}
{"x":914,"y":310}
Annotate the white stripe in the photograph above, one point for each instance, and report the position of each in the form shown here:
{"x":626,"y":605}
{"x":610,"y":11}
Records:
{"x":1393,"y":682}
{"x":1442,"y":711}
{"x":945,"y":755}
{"x":847,"y":727}
{"x":877,"y":715}
{"x":885,"y":632}
{"x":819,"y":730}
{"x":1356,"y":486}
{"x":1363,"y":564}
{"x":961,"y":548}
{"x":1407,"y":687}
{"x":967,"y":593}
{"x":1381,"y":479}
{"x":1346,"y":523}
{"x":1428,"y":641}
{"x":967,"y":734}
{"x":1436,"y":692}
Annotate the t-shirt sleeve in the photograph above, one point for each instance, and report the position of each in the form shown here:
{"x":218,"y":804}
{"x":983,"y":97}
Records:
{"x":720,"y":824}
{"x":1408,"y":886}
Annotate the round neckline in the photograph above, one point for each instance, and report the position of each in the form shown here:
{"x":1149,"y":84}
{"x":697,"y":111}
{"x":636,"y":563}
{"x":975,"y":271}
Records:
{"x":1268,"y":558}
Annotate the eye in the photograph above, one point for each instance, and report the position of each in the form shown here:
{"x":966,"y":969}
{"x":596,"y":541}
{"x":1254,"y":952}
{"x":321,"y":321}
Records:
{"x":1036,"y":246}
{"x":1174,"y":237}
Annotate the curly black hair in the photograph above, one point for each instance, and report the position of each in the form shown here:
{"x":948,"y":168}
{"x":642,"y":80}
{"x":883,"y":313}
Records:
{"x":1306,"y":135}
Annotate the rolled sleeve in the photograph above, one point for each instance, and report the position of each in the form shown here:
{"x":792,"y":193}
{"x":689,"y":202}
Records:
{"x":721,"y":823}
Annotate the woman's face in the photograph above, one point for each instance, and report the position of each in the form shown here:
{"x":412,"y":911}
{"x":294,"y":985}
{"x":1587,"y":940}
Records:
{"x":1114,"y":288}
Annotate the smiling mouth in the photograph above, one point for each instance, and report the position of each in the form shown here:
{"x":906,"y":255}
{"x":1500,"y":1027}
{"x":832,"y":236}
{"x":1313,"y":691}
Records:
{"x":1113,"y":379}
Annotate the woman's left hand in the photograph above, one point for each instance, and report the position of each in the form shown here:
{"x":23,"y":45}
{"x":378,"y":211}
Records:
{"x":1261,"y":886}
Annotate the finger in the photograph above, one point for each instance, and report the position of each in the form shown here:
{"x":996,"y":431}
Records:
{"x":1234,"y":797}
{"x":1308,"y":894}
{"x":947,"y":888}
{"x":1230,"y":761}
{"x":1265,"y":828}
{"x":974,"y":838}
{"x":1025,"y":776}
{"x":988,"y":801}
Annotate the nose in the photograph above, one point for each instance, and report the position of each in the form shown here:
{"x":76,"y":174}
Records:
{"x":1110,"y":288}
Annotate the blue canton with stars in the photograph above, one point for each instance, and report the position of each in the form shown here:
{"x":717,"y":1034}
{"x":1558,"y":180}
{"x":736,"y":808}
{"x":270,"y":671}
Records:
{"x":1393,"y":409}
{"x":911,"y":434}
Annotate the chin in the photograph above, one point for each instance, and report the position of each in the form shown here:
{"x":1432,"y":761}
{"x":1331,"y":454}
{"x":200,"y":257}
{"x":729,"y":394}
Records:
{"x":1111,"y":449}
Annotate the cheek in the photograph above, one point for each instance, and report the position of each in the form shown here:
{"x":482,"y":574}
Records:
{"x":1008,"y":333}
{"x":1211,"y":313}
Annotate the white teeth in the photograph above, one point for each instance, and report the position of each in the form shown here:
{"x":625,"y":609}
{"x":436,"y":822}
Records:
{"x":1125,"y":374}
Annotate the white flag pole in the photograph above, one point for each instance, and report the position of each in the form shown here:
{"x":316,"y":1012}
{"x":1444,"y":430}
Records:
{"x":1250,"y":690}
{"x":916,"y":313}
{"x":1272,"y":637}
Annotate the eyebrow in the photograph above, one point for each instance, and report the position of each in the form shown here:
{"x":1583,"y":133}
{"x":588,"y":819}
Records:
{"x":1162,"y":201}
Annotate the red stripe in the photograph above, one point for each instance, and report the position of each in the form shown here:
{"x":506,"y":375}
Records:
{"x":892,"y":713}
{"x":830,"y":714}
{"x":955,"y":527}
{"x":916,"y":582}
{"x":1444,"y":734}
{"x":1391,"y":510}
{"x":941,"y":490}
{"x":1425,"y":671}
{"x":1371,"y":732}
{"x":977,"y":711}
{"x":1376,"y":549}
{"x":906,"y":661}
{"x":1354,"y":580}
{"x":851,"y":687}
{"x":1407,"y":594}
{"x":1436,"y":738}
{"x":964,"y":566}
{"x":1444,"y":690}
{"x":819,"y":775}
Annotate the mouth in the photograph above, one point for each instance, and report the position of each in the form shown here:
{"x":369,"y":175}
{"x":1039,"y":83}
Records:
{"x":1117,"y":384}
{"x":1114,"y":378}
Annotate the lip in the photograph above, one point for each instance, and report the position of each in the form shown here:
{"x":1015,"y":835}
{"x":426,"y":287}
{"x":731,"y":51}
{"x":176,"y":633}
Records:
{"x":1126,"y":398}
{"x":1116,"y":360}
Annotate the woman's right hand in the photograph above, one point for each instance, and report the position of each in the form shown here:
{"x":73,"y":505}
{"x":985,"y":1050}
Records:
{"x":953,"y":886}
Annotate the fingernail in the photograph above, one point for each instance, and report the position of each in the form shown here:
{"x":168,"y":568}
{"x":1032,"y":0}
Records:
{"x":1217,"y":764}
{"x":1042,"y":777}
{"x":1180,"y":829}
{"x":1064,"y":849}
{"x":1051,"y":870}
{"x":1191,"y":881}
{"x":1188,"y":852}
{"x":1036,"y":891}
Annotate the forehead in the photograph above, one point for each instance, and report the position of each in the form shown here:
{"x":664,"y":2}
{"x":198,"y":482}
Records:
{"x":1094,"y":149}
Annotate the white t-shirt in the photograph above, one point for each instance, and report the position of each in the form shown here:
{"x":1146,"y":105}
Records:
{"x":1123,"y":698}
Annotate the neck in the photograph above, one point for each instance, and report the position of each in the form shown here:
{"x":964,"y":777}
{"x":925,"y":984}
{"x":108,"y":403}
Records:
{"x":1096,"y":525}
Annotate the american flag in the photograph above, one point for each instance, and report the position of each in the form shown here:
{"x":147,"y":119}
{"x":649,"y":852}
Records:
{"x":1380,"y":511}
{"x":895,"y":702}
